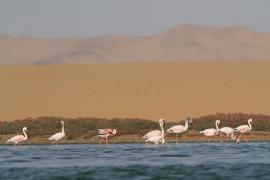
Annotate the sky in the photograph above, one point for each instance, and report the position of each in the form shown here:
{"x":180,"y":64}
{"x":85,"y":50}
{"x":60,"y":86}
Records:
{"x":88,"y":18}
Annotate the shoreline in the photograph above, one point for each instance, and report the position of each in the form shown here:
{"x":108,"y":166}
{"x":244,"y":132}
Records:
{"x":190,"y":137}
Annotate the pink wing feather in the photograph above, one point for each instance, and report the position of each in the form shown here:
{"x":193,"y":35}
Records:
{"x":105,"y":131}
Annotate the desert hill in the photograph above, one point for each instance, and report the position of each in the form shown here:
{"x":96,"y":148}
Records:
{"x":182,"y":43}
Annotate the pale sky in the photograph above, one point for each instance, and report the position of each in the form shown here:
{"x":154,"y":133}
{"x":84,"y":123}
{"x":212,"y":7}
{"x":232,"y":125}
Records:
{"x":87,"y":18}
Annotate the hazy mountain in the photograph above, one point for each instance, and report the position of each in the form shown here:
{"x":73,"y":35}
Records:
{"x":185,"y":42}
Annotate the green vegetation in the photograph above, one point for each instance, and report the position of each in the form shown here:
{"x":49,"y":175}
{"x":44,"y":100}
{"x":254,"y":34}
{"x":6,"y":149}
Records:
{"x":86,"y":128}
{"x":260,"y":122}
{"x":76,"y":128}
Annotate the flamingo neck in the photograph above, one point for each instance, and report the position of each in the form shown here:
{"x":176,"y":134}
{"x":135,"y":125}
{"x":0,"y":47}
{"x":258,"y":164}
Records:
{"x":162,"y":137}
{"x":250,"y":127}
{"x":217,"y":126}
{"x":25,"y":135}
{"x":161,"y":127}
{"x":63,"y":130}
{"x":186,"y":125}
{"x":162,"y":134}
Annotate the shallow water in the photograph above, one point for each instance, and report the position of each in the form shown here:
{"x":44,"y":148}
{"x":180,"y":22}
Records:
{"x":136,"y":161}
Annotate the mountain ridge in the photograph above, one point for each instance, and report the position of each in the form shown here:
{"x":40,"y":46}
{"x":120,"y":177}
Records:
{"x":186,"y":42}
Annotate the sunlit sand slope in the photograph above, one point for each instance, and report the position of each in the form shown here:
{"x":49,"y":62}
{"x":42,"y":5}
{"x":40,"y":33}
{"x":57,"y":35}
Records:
{"x":144,"y":90}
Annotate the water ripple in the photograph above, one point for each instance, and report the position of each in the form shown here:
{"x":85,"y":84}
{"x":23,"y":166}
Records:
{"x":136,"y":161}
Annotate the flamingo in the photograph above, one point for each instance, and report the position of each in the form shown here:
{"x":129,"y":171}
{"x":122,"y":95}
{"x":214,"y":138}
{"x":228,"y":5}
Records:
{"x":228,"y":131}
{"x":59,"y":135}
{"x":105,"y":133}
{"x":243,"y":129}
{"x":211,"y":132}
{"x":179,"y":129}
{"x":19,"y":138}
{"x":153,"y":133}
{"x":158,"y":137}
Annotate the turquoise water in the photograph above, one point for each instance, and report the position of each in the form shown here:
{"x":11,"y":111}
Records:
{"x":136,"y":161}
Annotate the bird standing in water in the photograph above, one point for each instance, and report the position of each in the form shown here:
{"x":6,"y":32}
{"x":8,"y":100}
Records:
{"x":18,"y":139}
{"x":104,"y":134}
{"x":57,"y":136}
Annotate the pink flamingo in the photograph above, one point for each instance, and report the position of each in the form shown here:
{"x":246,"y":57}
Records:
{"x":243,"y":129}
{"x":211,"y":132}
{"x":18,"y":138}
{"x":179,"y":129}
{"x":228,"y":131}
{"x":105,"y":134}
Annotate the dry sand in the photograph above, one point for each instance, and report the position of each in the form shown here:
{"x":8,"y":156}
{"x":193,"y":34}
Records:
{"x":170,"y":90}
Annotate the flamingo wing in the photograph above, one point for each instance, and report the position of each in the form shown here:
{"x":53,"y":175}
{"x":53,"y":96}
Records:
{"x":16,"y":139}
{"x":152,"y":133}
{"x":226,"y":130}
{"x":104,"y":131}
{"x":176,"y":129}
{"x":154,"y":139}
{"x":242,"y":128}
{"x":56,"y":136}
{"x":209,"y":132}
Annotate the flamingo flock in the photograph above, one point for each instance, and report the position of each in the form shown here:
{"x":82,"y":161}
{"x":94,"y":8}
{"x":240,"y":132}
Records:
{"x":234,"y":133}
{"x":155,"y":136}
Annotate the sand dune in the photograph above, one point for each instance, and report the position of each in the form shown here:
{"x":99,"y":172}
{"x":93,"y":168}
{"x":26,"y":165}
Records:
{"x":171,"y":90}
{"x":185,"y":42}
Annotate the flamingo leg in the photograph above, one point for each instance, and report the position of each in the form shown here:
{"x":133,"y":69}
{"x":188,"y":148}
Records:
{"x":165,"y":138}
{"x":177,"y":137}
{"x":239,"y":138}
{"x":106,"y":140}
{"x":246,"y":138}
{"x":222,"y":138}
{"x":100,"y":141}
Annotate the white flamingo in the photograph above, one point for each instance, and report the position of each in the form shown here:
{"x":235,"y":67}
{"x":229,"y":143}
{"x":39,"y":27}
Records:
{"x":105,"y":134}
{"x":228,"y":131}
{"x":152,"y":133}
{"x":243,"y":129}
{"x":19,"y":138}
{"x":179,"y":129}
{"x":59,"y":135}
{"x":211,"y":132}
{"x":158,"y":137}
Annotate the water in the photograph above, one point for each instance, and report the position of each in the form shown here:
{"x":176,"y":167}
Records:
{"x":136,"y":161}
